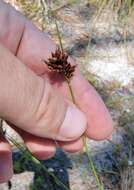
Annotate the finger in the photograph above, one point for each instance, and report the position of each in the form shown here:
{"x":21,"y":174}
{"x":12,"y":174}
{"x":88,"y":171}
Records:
{"x":6,"y":170}
{"x":32,"y":104}
{"x":73,"y":146}
{"x":14,"y":30}
{"x":44,"y":148}
{"x":100,"y":124}
{"x":41,"y":148}
{"x":11,"y":27}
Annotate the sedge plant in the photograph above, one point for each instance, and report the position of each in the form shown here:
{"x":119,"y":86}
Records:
{"x":58,"y":62}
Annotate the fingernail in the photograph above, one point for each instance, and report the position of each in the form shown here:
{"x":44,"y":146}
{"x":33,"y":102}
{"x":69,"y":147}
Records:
{"x":74,"y":124}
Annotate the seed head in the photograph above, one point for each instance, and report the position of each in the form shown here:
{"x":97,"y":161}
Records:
{"x":58,"y":62}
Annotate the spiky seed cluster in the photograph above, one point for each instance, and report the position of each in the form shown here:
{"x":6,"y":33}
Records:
{"x":58,"y":62}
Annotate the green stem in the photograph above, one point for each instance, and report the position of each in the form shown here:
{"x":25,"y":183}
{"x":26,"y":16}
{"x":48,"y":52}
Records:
{"x":84,"y":136}
{"x":57,"y":181}
{"x":71,"y":91}
{"x":91,"y":164}
{"x":58,"y":33}
{"x":57,"y":28}
{"x":36,"y":161}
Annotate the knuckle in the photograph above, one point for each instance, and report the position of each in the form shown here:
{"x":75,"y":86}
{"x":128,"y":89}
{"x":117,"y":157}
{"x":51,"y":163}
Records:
{"x":51,"y":111}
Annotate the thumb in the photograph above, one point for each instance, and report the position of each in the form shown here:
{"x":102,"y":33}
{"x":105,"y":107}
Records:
{"x":32,"y":104}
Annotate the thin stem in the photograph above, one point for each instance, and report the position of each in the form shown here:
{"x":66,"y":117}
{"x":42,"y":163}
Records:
{"x":91,"y":164}
{"x":57,"y":28}
{"x":44,"y":7}
{"x":86,"y":149}
{"x":84,"y":136}
{"x":71,"y":91}
{"x":57,"y":181}
{"x":58,"y":33}
{"x":35,"y":160}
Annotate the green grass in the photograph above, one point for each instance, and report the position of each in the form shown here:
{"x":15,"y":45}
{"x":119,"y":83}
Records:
{"x":28,"y":157}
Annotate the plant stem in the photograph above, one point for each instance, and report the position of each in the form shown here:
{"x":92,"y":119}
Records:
{"x":91,"y":164}
{"x":58,"y":33}
{"x":57,"y":181}
{"x":70,"y":90}
{"x":36,"y":161}
{"x":73,"y":100}
{"x":86,"y":149}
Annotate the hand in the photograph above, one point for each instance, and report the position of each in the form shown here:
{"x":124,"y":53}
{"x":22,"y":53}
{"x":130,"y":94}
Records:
{"x":37,"y":101}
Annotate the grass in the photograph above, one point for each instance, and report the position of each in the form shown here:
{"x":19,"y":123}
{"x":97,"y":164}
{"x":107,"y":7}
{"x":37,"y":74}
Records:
{"x":26,"y":155}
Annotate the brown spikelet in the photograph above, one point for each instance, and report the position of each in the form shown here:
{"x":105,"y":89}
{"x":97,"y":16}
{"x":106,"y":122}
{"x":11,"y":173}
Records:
{"x":58,"y":62}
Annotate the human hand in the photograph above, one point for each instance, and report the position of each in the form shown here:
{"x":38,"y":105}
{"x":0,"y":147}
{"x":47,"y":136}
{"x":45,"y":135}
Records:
{"x":36,"y":101}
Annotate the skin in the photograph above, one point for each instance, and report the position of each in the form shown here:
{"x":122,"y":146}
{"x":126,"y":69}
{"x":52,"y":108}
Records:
{"x":36,"y":102}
